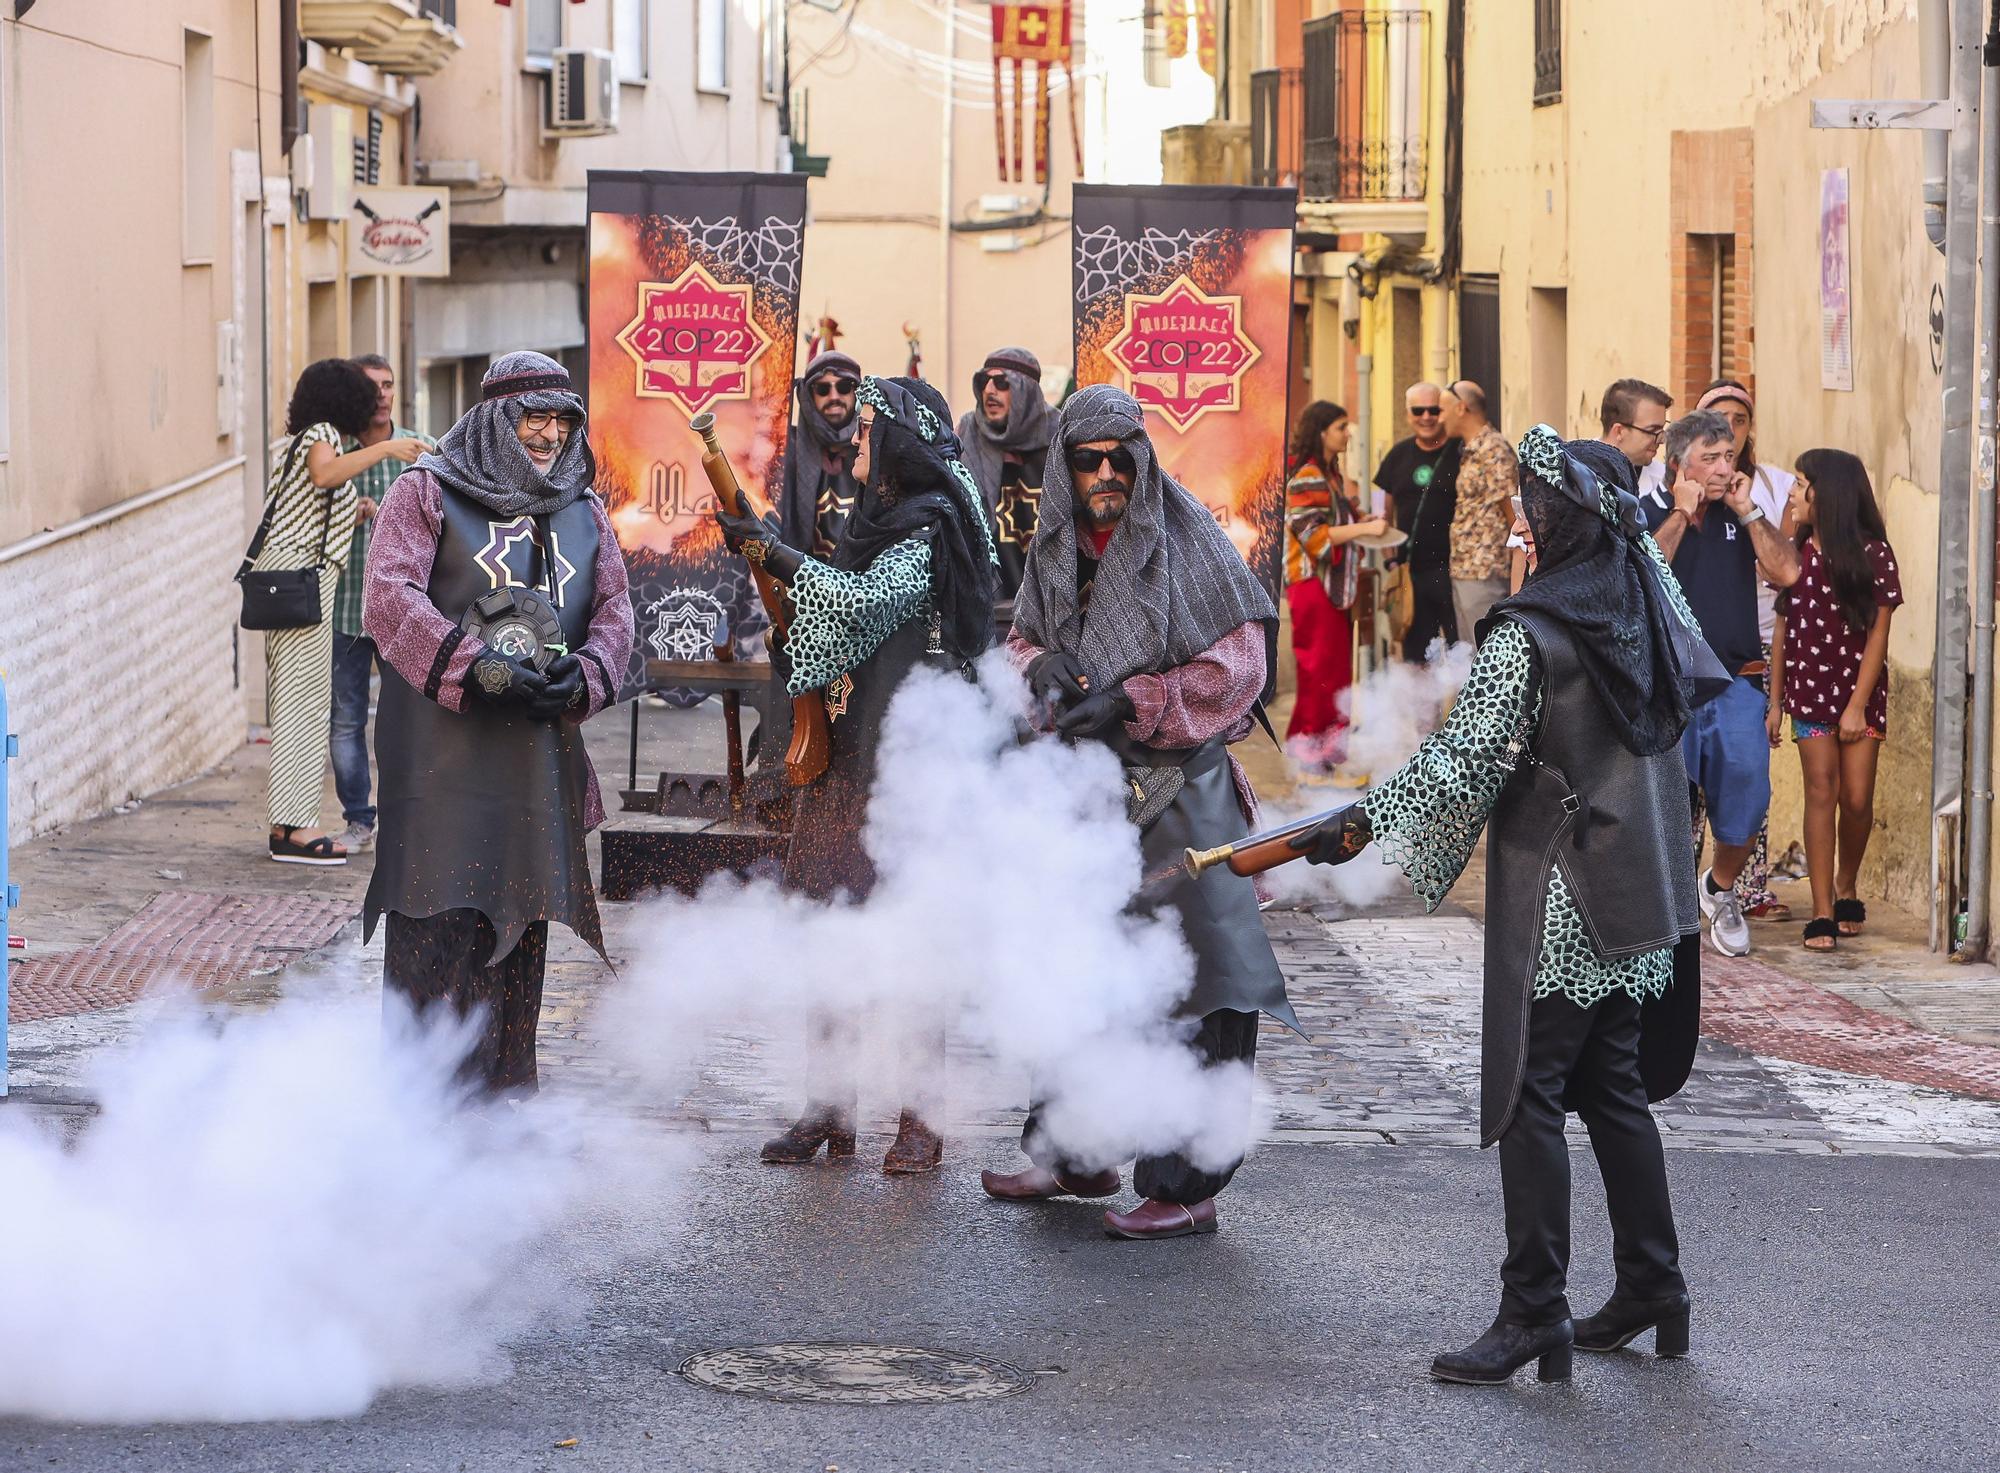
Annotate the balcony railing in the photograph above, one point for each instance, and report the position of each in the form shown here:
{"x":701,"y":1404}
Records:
{"x":1277,"y":125}
{"x":1367,"y":99}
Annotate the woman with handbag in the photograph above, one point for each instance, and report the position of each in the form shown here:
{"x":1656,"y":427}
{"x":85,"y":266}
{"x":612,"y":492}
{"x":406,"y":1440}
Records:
{"x":307,"y":527}
{"x":1321,"y":575}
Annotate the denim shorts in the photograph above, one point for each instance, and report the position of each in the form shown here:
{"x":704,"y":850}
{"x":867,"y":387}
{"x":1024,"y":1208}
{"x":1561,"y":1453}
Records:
{"x":1727,"y":748}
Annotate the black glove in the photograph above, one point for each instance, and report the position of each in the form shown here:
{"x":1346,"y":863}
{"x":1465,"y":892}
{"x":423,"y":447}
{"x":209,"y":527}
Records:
{"x":1055,"y":676}
{"x":1094,"y":713}
{"x":760,"y":540}
{"x":503,"y":681}
{"x":1343,"y":835}
{"x":564,"y":689}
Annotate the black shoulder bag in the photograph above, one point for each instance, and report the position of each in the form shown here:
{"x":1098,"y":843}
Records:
{"x":282,"y":598}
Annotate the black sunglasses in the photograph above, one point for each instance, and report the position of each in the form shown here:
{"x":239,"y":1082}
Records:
{"x":826,"y":387}
{"x":1426,"y":409}
{"x":1084,"y":462}
{"x":985,"y":377}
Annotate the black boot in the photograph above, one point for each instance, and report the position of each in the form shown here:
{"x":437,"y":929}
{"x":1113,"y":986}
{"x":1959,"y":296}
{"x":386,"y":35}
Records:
{"x":1504,"y":1349}
{"x":1623,"y":1320}
{"x":821,"y":1125}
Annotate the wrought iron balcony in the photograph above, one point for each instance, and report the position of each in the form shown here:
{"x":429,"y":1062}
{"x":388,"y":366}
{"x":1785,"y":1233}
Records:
{"x":1277,"y":125}
{"x":1366,"y":106}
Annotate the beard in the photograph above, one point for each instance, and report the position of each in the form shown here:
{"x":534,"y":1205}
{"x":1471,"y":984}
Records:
{"x":1103,"y":510}
{"x":995,"y":412}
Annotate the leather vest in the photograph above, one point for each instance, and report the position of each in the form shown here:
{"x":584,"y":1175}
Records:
{"x":1626,"y":851}
{"x":482,"y":808}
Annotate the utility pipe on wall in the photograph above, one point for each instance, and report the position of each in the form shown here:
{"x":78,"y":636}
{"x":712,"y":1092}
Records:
{"x":1979,"y":767}
{"x":1934,"y":71}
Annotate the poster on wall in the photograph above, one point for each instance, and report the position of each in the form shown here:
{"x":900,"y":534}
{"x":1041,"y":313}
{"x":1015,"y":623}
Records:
{"x":694,"y":307}
{"x":1836,"y":319}
{"x":1183,"y":298}
{"x":399,"y":232}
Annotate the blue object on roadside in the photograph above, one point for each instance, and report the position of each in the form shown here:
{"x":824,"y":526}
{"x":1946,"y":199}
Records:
{"x":10,"y":895}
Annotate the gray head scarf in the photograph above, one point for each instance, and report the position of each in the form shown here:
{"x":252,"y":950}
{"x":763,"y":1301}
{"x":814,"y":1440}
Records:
{"x":1170,"y":583}
{"x":481,"y":456}
{"x":1026,"y":430}
{"x":808,"y":452}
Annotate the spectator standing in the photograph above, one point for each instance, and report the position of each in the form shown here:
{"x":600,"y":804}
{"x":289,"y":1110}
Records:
{"x":1321,"y":576}
{"x":1719,"y":541}
{"x":1633,"y":416}
{"x":1417,"y":474}
{"x":353,"y":651}
{"x":309,"y":512}
{"x":1830,"y":674}
{"x":1770,"y":489}
{"x":1488,"y":475}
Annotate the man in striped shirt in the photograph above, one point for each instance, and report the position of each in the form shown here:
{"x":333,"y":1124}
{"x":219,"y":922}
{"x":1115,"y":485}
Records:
{"x":353,"y":651}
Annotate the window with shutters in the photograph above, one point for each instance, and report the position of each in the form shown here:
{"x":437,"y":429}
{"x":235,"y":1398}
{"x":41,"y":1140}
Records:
{"x":1548,"y":51}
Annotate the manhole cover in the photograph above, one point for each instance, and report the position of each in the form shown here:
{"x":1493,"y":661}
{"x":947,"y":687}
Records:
{"x":859,"y":1374}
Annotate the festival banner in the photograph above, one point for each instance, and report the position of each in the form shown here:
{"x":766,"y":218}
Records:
{"x":694,"y":307}
{"x":1183,"y":298}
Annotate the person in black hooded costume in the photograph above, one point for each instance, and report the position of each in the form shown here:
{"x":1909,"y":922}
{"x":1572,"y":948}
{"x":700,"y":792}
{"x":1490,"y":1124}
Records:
{"x":820,"y":486}
{"x":1564,"y":747}
{"x":910,"y":583}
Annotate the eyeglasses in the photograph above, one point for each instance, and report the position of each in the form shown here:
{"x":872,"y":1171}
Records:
{"x":1651,"y":432}
{"x":825,"y":388}
{"x":987,"y":378}
{"x":1425,"y":411}
{"x":1085,"y":462}
{"x":537,"y":420}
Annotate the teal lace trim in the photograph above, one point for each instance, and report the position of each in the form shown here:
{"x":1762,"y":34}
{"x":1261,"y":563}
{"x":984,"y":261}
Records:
{"x":1569,"y":966}
{"x":841,"y":618}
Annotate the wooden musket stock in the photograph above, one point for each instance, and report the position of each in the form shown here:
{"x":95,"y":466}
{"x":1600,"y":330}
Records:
{"x":806,"y":758}
{"x":1257,"y":853}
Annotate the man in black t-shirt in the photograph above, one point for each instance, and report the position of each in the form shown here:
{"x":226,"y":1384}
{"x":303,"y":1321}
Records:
{"x":1720,"y":543}
{"x":1420,"y":474}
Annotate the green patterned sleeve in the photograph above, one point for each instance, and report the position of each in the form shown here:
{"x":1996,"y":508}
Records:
{"x":1429,"y":814}
{"x":841,"y":618}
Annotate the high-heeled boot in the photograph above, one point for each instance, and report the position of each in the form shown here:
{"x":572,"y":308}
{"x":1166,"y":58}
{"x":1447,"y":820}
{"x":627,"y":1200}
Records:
{"x":821,"y":1125}
{"x":1504,"y":1349}
{"x":917,"y":1148}
{"x":1624,"y":1320}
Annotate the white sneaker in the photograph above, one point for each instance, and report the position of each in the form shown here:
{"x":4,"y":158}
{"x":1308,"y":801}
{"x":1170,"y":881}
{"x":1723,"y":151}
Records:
{"x":1728,"y":927}
{"x":357,"y":839}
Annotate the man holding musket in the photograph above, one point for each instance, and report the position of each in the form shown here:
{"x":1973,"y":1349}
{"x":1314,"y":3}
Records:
{"x":1140,"y":626}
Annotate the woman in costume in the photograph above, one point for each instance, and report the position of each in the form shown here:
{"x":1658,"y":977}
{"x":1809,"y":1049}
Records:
{"x":910,"y":583}
{"x":1563,"y":746}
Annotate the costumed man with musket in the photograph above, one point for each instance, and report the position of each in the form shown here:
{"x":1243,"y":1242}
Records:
{"x":820,"y":485}
{"x":1141,"y":626}
{"x":497,"y":596}
{"x":1006,"y":439}
{"x":910,"y":583}
{"x":1564,"y":747}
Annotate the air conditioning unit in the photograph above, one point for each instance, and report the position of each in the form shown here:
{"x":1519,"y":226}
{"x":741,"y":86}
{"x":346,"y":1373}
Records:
{"x":583,"y":93}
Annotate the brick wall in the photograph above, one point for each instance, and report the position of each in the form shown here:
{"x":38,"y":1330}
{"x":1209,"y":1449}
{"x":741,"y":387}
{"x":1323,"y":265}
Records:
{"x":116,"y":646}
{"x":1711,"y":196}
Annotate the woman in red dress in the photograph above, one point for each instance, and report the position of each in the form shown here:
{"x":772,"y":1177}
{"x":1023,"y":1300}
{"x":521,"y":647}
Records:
{"x":1830,"y":674}
{"x":1320,"y":576}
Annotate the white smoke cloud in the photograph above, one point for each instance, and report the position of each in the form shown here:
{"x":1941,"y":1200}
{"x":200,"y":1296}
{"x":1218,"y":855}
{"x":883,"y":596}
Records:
{"x":283,"y":1215}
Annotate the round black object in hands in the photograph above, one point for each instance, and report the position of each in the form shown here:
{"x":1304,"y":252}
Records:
{"x":1343,"y":835}
{"x":564,"y":689}
{"x":504,"y":681}
{"x":518,"y":623}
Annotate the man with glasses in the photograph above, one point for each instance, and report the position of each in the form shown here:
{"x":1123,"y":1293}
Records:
{"x":1139,"y":625}
{"x":819,"y":487}
{"x":1006,"y":440}
{"x":1420,"y":476}
{"x":1634,"y":416}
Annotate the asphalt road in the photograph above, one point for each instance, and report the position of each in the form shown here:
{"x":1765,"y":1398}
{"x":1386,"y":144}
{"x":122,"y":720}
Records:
{"x":1845,"y":1318}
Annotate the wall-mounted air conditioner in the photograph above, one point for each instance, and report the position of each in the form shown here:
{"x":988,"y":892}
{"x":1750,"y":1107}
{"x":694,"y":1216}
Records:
{"x":582,"y":93}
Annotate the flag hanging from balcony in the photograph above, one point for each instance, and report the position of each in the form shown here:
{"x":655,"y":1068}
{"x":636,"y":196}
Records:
{"x":1183,"y":298}
{"x":1204,"y":34}
{"x":694,"y":307}
{"x":1034,"y":38}
{"x":1177,"y":28}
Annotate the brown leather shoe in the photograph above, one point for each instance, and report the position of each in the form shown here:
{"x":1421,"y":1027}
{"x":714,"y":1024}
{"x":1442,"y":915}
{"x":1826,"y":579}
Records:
{"x":1039,"y":1184}
{"x":916,"y":1149}
{"x":825,"y":1126}
{"x":1156,"y":1219}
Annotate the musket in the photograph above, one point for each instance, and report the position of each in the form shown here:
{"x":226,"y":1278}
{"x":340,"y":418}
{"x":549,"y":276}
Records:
{"x":806,"y":758}
{"x":1256,"y":853}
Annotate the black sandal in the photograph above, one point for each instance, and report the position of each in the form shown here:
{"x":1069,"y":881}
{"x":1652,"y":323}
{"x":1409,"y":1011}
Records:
{"x":1850,"y":913}
{"x":1821,"y":927}
{"x":321,"y":851}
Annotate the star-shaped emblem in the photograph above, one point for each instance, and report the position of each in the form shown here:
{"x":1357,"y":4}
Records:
{"x":508,"y":558}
